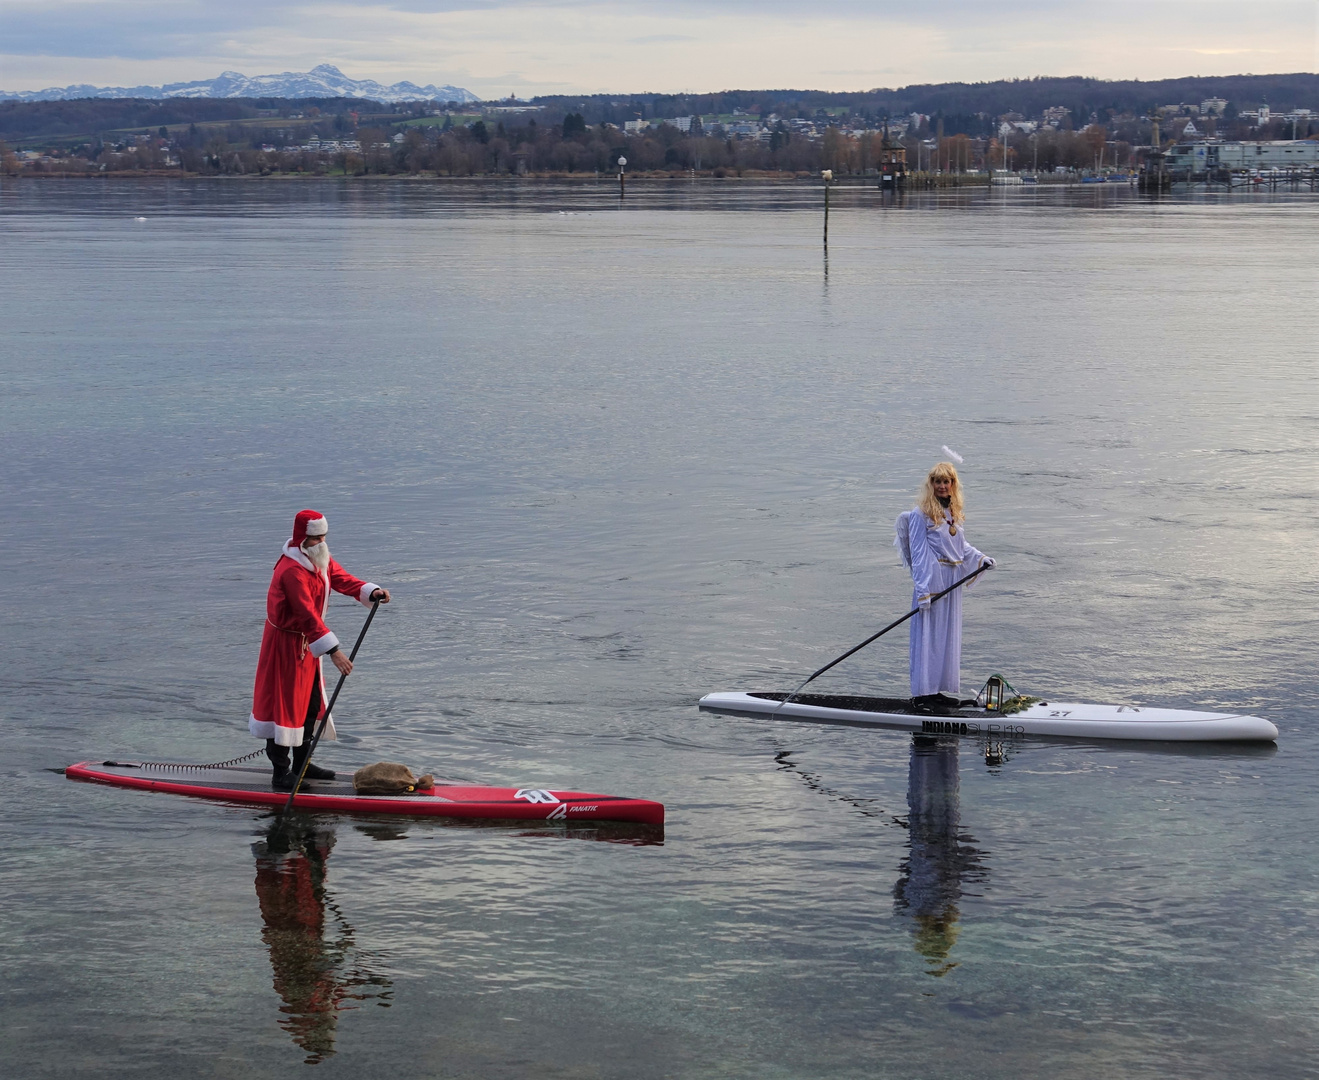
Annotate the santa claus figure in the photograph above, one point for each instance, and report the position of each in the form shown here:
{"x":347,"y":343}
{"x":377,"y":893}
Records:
{"x":290,"y":695}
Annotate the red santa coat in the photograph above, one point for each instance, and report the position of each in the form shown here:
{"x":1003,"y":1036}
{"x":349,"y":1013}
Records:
{"x":293,"y":643}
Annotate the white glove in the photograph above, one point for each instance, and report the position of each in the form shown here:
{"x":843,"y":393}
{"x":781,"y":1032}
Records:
{"x":924,"y":602}
{"x":990,"y":562}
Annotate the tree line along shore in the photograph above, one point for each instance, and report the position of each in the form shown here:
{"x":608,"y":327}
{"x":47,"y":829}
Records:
{"x":526,"y":147}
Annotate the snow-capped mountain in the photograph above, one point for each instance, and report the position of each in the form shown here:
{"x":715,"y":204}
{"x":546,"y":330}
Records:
{"x":322,"y":81}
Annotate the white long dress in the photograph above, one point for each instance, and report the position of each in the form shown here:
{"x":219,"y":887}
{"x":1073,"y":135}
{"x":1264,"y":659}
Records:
{"x":936,"y":559}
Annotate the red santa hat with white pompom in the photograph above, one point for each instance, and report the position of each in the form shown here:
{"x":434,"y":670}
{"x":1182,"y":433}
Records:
{"x":308,"y":523}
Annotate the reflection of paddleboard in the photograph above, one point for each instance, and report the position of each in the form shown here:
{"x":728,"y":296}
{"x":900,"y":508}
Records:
{"x":239,"y":784}
{"x":1044,"y":718}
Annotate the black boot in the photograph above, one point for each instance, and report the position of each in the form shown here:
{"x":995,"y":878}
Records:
{"x":935,"y":704}
{"x":314,"y":772}
{"x":279,"y":758}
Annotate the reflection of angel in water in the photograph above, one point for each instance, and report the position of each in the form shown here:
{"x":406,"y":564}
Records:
{"x":937,"y":864}
{"x":314,"y":972}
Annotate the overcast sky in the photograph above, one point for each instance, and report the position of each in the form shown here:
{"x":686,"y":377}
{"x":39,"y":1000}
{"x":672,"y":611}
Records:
{"x":497,"y":47}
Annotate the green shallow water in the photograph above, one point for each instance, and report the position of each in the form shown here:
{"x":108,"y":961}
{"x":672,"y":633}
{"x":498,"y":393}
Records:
{"x":611,"y":459}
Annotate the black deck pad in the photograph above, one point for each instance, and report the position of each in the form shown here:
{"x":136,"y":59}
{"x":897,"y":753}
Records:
{"x":233,"y":777}
{"x":900,"y":706}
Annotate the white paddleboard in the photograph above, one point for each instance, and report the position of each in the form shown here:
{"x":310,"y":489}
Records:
{"x":1044,"y":718}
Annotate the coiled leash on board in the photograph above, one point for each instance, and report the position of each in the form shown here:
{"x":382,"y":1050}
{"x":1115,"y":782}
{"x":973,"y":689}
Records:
{"x":180,"y":765}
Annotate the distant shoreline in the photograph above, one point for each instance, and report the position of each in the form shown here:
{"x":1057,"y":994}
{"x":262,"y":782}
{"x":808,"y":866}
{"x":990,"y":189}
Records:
{"x":918,"y":181}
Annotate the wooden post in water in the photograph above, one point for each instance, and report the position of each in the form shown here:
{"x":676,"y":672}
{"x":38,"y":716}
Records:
{"x":828,"y":175}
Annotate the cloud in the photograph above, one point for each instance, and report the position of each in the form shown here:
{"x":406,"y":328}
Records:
{"x":528,"y":46}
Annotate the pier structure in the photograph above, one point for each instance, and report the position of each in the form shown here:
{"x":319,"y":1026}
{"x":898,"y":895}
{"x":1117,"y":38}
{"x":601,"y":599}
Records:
{"x":1292,"y":179}
{"x":1153,"y":175}
{"x":1207,"y":164}
{"x":927,"y":179}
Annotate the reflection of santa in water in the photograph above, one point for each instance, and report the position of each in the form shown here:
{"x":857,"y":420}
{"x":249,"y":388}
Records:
{"x":290,"y":887}
{"x":318,"y":970}
{"x":290,"y":687}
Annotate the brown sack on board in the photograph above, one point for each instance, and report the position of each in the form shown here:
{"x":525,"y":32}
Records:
{"x":389,"y":778}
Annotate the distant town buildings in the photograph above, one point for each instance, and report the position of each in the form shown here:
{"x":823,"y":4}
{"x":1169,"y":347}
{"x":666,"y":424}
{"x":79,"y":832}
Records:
{"x":1007,"y":127}
{"x":1215,"y":135}
{"x":328,"y":146}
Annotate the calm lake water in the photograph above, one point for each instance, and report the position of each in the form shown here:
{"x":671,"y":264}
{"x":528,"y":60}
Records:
{"x":610,"y":458}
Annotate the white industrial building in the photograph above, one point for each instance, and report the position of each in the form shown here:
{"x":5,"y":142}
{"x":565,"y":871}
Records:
{"x":1202,"y":156}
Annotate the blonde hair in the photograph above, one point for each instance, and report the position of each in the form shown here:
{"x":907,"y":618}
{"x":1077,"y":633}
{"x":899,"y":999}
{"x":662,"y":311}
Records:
{"x":929,"y":503}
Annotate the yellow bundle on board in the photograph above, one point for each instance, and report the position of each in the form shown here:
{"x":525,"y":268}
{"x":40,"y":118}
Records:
{"x":389,"y":778}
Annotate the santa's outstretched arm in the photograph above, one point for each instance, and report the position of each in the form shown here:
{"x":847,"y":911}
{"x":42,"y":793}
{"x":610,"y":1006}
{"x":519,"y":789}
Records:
{"x":364,"y":592}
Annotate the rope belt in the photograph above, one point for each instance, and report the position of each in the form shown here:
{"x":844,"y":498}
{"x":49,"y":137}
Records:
{"x":296,"y":633}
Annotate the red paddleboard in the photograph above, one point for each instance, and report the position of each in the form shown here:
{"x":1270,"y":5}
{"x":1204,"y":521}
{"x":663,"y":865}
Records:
{"x":251,"y":786}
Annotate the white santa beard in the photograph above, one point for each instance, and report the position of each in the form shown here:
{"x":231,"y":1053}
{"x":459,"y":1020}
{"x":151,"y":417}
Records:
{"x":319,"y":554}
